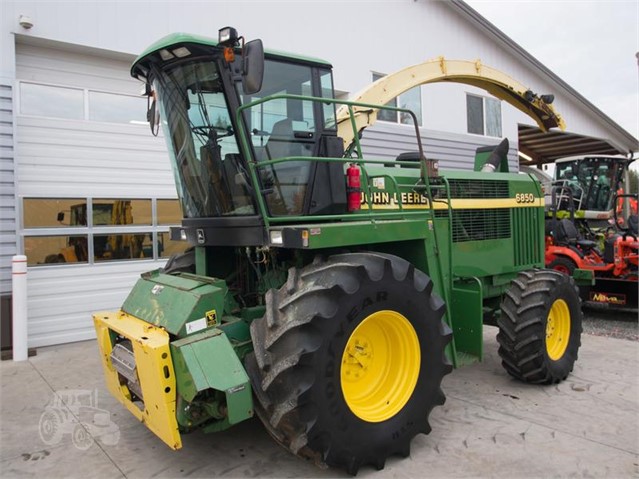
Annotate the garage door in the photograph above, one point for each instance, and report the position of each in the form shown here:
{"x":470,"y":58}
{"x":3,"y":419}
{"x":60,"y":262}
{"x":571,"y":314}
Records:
{"x":95,"y":191}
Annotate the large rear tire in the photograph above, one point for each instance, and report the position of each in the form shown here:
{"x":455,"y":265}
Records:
{"x":349,"y":359}
{"x":540,"y":327}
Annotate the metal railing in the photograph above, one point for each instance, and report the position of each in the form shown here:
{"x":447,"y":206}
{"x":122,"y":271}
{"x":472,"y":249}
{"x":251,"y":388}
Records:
{"x":421,"y":186}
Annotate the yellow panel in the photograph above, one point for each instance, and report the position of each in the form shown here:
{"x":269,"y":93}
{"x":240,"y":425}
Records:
{"x":154,"y":368}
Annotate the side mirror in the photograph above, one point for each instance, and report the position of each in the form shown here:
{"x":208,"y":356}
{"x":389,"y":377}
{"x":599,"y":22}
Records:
{"x":153,"y":114}
{"x":253,"y":68}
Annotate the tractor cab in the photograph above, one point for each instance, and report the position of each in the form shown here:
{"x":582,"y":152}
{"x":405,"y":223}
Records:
{"x":593,"y":182}
{"x":224,"y":105}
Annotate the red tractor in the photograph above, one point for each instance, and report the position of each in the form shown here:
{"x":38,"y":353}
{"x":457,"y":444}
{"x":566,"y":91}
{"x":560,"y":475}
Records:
{"x":615,"y":269}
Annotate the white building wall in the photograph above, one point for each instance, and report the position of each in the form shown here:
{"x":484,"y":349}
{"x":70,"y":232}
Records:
{"x":7,"y":190}
{"x":358,"y":37}
{"x":63,"y":299}
{"x":82,"y":159}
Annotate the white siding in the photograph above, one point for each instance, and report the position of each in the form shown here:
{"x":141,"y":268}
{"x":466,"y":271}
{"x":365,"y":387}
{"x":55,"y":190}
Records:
{"x":7,"y":190}
{"x":82,"y":158}
{"x":454,"y":152}
{"x":62,"y":299}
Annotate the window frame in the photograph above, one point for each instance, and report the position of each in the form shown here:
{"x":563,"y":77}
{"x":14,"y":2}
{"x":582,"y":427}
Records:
{"x":484,"y":110}
{"x":90,"y":231}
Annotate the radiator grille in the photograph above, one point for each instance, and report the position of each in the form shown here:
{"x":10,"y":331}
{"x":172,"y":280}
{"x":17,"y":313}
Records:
{"x":478,"y":189}
{"x":479,"y":225}
{"x":527,"y":237}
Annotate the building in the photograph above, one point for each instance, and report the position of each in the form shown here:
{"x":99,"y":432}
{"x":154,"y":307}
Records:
{"x":87,"y":192}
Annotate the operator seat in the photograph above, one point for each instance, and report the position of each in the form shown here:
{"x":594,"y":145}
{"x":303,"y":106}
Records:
{"x":282,"y":141}
{"x":565,"y":233}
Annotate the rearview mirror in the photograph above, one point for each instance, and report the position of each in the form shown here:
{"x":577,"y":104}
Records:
{"x":253,"y":68}
{"x":153,"y":114}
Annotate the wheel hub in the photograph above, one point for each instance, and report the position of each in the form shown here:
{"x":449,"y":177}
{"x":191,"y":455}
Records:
{"x":557,"y":329}
{"x":380,"y":366}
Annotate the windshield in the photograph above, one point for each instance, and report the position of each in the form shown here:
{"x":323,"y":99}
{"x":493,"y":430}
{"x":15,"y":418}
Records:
{"x":209,"y":173}
{"x":592,"y":180}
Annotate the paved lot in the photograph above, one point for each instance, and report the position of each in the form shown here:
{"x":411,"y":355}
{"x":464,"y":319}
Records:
{"x":490,"y":426}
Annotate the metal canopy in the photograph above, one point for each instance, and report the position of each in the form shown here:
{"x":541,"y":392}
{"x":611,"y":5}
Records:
{"x":546,"y":147}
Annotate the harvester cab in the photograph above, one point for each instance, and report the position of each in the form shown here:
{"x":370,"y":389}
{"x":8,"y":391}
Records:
{"x":327,"y":292}
{"x":225,"y":106}
{"x":594,"y":181}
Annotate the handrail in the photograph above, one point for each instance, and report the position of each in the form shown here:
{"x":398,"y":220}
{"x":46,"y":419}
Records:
{"x":254,"y":165}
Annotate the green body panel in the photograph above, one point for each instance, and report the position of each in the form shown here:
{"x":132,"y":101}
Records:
{"x":207,"y":361}
{"x":178,"y":304}
{"x":335,"y":235}
{"x":466,"y":309}
{"x":584,"y":277}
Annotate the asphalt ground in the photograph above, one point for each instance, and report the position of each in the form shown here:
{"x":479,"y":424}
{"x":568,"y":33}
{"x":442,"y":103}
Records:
{"x":490,"y":426}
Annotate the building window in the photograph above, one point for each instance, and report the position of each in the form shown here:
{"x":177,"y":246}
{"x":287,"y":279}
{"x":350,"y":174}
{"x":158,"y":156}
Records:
{"x":98,"y":230}
{"x":169,"y":212}
{"x":168,"y":247}
{"x":54,"y":212}
{"x":56,"y":249}
{"x":410,"y":100}
{"x":116,"y":108}
{"x":483,"y":115}
{"x":129,"y":246}
{"x":109,"y":212}
{"x":51,"y":101}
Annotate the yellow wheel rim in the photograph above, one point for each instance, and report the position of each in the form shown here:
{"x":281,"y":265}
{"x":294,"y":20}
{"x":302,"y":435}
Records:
{"x":557,"y":330}
{"x":380,"y":366}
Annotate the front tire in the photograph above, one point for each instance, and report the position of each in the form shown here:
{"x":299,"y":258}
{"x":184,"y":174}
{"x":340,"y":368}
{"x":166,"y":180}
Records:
{"x":540,"y":327}
{"x":349,"y":359}
{"x":563,"y":265}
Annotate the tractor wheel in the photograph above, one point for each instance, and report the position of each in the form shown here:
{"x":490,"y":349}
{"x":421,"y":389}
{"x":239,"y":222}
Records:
{"x":540,"y":327}
{"x":50,"y":427}
{"x":563,"y":265}
{"x":81,"y":438}
{"x":349,"y":359}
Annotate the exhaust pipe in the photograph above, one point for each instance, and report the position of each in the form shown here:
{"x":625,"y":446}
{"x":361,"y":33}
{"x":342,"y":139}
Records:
{"x":498,"y":154}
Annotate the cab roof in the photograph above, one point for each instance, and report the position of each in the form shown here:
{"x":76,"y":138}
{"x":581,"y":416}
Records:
{"x":180,"y":38}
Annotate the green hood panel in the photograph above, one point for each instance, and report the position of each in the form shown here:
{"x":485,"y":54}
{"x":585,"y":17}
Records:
{"x":181,"y":304}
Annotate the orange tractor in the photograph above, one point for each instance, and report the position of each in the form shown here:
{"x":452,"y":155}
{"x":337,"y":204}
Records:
{"x":614,"y":268}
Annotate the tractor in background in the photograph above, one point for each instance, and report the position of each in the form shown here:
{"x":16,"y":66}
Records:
{"x":591,"y":225}
{"x":326,"y":292}
{"x":614,"y":266}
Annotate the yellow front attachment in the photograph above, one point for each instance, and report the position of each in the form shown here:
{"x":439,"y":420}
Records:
{"x":557,"y":330}
{"x":154,"y":368}
{"x":380,"y":366}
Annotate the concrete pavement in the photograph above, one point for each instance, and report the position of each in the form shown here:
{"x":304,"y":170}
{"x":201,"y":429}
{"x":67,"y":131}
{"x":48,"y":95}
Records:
{"x":490,"y":426}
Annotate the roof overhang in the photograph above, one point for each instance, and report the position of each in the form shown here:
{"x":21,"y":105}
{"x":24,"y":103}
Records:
{"x":546,"y":147}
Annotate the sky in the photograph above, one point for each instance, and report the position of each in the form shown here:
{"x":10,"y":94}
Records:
{"x":590,"y":44}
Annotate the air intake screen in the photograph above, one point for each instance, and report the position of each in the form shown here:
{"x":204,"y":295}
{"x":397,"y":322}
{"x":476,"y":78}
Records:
{"x":478,"y":189}
{"x":479,"y":225}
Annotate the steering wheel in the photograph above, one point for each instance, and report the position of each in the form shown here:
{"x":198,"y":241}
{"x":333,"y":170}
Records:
{"x":206,"y":130}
